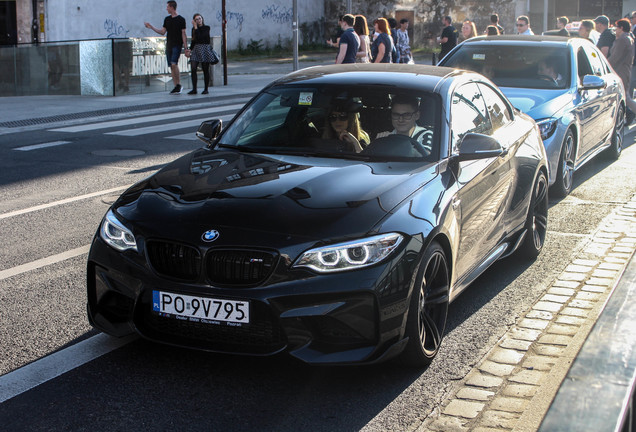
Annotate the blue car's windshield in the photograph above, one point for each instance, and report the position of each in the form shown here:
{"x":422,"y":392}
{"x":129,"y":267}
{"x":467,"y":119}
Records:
{"x":358,"y":122}
{"x":537,"y":67}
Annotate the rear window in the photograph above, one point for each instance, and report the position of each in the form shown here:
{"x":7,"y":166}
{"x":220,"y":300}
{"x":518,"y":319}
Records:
{"x":537,"y":67}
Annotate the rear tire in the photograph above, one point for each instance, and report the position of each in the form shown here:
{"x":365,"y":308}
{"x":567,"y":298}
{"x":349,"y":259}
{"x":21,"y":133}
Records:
{"x":537,"y":222}
{"x":565,"y":174}
{"x":428,"y":308}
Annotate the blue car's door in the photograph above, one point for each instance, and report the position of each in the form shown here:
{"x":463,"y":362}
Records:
{"x":594,"y":106}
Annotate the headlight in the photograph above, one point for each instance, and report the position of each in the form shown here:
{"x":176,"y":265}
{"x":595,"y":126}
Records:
{"x":350,"y":255}
{"x":116,"y":234}
{"x":547,"y":127}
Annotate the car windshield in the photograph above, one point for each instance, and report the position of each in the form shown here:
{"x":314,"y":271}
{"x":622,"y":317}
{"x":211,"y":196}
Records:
{"x":351,"y":122}
{"x":537,"y":67}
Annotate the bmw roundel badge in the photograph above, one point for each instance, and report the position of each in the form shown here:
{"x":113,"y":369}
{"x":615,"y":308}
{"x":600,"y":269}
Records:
{"x":210,"y":235}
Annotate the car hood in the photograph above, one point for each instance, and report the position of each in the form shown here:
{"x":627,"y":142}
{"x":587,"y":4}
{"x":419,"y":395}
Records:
{"x":283,"y":195}
{"x":538,"y":104}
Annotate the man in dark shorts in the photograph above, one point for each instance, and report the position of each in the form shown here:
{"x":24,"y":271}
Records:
{"x":174,"y":25}
{"x":448,"y":39}
{"x":349,"y":41}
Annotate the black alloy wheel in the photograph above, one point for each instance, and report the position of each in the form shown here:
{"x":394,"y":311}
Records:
{"x":616,"y":147}
{"x":565,"y":174}
{"x":428,"y":308}
{"x":537,"y":221}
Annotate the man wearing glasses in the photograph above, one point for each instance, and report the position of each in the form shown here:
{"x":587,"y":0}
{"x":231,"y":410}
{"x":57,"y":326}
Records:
{"x":405,"y":111}
{"x":523,"y":25}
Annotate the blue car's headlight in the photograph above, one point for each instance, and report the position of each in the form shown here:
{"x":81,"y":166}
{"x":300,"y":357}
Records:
{"x":349,"y":255}
{"x":115,"y":234}
{"x":547,"y":127}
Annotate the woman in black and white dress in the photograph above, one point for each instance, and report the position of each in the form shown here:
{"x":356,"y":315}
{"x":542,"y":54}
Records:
{"x":200,"y":52}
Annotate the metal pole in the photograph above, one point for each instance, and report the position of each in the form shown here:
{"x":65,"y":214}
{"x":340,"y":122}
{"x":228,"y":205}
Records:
{"x":295,"y":34}
{"x":224,"y":41}
{"x":349,"y":6}
{"x":545,"y":15}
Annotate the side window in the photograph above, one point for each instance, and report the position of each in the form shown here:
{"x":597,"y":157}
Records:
{"x":498,"y":109}
{"x":584,"y":66}
{"x":468,"y":113}
{"x":598,"y":68}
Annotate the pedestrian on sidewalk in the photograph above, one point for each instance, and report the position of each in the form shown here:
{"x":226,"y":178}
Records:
{"x":494,"y":20}
{"x":607,"y":38}
{"x":469,"y":30}
{"x":404,"y":45}
{"x":448,"y":39}
{"x":561,"y":23}
{"x":349,"y":41}
{"x":174,"y":26}
{"x":523,"y":25}
{"x":362,"y":29}
{"x":200,"y":53}
{"x":393,"y":26}
{"x":383,"y":44}
{"x":621,"y":58}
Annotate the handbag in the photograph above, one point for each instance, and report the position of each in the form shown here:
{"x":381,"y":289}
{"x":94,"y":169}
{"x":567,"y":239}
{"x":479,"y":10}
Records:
{"x":215,"y":57}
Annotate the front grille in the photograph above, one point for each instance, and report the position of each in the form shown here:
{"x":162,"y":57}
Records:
{"x":174,"y":260}
{"x":239,"y":267}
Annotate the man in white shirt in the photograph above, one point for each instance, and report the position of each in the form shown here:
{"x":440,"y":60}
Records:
{"x":523,"y":25}
{"x":405,"y":112}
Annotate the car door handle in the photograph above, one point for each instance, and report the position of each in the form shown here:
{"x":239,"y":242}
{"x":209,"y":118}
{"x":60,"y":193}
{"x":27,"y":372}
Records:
{"x":455,"y":203}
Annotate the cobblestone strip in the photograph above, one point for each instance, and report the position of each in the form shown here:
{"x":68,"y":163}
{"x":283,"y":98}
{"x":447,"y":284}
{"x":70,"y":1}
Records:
{"x":512,"y":386}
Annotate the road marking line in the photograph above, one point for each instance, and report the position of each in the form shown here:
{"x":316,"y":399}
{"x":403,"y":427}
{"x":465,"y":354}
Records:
{"x":45,"y":369}
{"x":61,"y":202}
{"x":53,"y":259}
{"x":43,"y":145}
{"x":166,"y":127}
{"x":147,"y":119}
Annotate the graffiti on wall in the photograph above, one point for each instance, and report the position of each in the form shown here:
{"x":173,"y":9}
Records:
{"x":277,"y":14}
{"x":114,"y":30}
{"x":232,"y":17}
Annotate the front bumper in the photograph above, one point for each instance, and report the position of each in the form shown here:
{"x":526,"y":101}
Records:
{"x":348,"y":317}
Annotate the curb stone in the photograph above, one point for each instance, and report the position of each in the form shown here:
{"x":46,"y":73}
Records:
{"x":513,"y":385}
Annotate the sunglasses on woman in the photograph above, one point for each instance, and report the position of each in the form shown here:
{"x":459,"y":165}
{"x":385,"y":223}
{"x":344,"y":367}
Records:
{"x":341,"y":117}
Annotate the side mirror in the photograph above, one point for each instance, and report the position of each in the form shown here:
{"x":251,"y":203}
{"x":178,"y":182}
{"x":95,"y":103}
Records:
{"x":209,"y":130}
{"x":478,"y":146}
{"x":592,"y":82}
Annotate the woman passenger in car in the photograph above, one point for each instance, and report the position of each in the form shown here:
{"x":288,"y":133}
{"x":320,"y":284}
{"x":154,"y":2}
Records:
{"x":345,"y":126}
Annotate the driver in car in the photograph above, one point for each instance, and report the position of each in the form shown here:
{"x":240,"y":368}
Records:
{"x":405,"y":111}
{"x":546,"y":68}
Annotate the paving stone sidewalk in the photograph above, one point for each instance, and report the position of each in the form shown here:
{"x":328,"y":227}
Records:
{"x":513,"y":385}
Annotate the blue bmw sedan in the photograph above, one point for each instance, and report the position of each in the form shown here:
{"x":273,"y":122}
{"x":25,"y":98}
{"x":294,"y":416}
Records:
{"x":565,"y":84}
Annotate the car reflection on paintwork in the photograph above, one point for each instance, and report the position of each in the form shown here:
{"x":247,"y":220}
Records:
{"x":579,"y":117}
{"x":278,"y":237}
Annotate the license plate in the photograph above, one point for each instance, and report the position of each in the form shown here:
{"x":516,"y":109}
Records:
{"x":203,"y":309}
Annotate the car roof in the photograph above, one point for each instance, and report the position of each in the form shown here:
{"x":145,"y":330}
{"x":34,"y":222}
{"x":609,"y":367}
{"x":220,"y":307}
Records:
{"x":422,"y":76}
{"x":522,"y":40}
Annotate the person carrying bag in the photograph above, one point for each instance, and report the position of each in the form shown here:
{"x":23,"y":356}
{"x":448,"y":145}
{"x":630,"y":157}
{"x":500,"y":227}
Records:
{"x":201,"y":52}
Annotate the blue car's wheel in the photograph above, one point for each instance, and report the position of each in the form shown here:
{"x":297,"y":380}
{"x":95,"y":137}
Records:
{"x":565,"y":174}
{"x":615,"y":149}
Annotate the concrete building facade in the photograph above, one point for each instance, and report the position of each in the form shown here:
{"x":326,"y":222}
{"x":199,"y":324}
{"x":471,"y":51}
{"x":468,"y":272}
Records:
{"x":269,"y":22}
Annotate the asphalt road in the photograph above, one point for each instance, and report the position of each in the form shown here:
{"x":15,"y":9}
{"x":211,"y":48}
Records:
{"x":51,"y":202}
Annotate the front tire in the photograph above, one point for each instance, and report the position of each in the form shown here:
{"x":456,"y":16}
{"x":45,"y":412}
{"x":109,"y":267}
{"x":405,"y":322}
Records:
{"x":537,"y":221}
{"x":565,"y":174}
{"x":428,"y":308}
{"x":614,"y":150}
